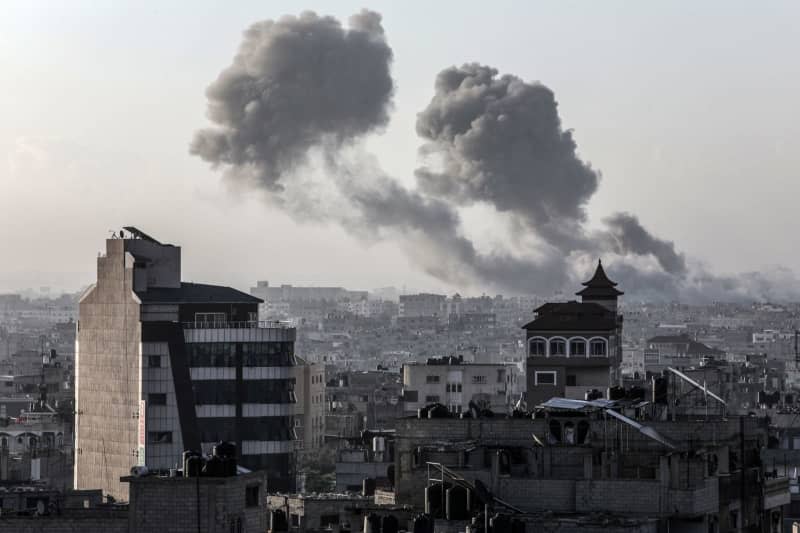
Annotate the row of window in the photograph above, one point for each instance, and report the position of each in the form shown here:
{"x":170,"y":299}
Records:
{"x":475,"y":379}
{"x":271,"y":428}
{"x":252,"y":391}
{"x":559,"y":347}
{"x":224,"y":354}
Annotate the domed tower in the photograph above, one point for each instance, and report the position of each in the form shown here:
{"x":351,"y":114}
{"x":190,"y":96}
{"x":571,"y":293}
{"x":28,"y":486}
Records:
{"x":600,"y":290}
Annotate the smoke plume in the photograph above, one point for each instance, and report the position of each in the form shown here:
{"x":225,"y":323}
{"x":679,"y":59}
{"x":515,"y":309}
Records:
{"x":296,"y":83}
{"x":289,"y":116}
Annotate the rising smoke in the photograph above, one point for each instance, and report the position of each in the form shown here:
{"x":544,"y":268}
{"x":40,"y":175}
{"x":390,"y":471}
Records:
{"x":303,"y":92}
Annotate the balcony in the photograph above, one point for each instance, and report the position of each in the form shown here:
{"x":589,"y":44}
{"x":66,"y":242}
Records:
{"x":248,"y":331}
{"x":248,"y":324}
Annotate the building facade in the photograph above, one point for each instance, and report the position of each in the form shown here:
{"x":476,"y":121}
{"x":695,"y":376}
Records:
{"x":309,"y":415}
{"x":423,"y":304}
{"x":164,"y":366}
{"x":575,"y":348}
{"x":457,"y":385}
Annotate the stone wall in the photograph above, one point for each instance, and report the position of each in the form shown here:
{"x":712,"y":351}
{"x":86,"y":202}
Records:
{"x":108,"y":361}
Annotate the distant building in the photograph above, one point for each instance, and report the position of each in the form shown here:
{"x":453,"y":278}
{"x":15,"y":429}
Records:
{"x":290,"y":293}
{"x":163,"y":366}
{"x":309,"y":415}
{"x":368,"y":457}
{"x":422,"y":305}
{"x":362,"y":400}
{"x":575,"y":347}
{"x":678,"y":351}
{"x":457,"y":385}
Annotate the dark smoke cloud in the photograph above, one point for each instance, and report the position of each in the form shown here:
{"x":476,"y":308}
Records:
{"x":500,"y":141}
{"x":296,"y":83}
{"x":630,"y":237}
{"x":301,"y":94}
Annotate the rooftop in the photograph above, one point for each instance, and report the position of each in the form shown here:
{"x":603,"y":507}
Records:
{"x":196,"y":293}
{"x":572,"y":316}
{"x":599,"y":285}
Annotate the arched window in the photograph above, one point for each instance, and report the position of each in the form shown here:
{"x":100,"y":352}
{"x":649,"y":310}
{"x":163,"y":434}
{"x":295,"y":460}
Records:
{"x":597,"y":347}
{"x":569,"y":433}
{"x":555,"y":431}
{"x":577,"y":348}
{"x":558,"y":347}
{"x":538,"y":347}
{"x":583,"y":432}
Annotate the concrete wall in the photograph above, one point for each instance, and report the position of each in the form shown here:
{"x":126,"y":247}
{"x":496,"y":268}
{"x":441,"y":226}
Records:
{"x":476,"y":381}
{"x":107,"y":361}
{"x":88,"y":521}
{"x":169,"y":505}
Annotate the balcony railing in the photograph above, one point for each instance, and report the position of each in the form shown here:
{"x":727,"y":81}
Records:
{"x":247,"y":324}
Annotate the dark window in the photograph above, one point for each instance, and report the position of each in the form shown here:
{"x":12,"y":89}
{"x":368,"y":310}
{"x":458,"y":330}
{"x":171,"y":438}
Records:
{"x":432,"y":398}
{"x":558,"y":347}
{"x":251,"y":496}
{"x":458,"y":387}
{"x":598,"y":347}
{"x":157,"y":398}
{"x":572,"y":380}
{"x":478,"y":379}
{"x":267,"y":353}
{"x":545,"y":378}
{"x":538,"y":347}
{"x":212,"y":354}
{"x":159,"y":437}
{"x":328,"y":520}
{"x":259,"y":391}
{"x":154,"y":361}
{"x":432,"y":379}
{"x":577,"y":347}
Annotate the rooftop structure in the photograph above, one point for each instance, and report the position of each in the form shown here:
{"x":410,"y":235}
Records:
{"x":575,"y":348}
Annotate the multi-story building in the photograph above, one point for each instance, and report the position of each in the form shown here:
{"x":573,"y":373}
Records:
{"x":362,"y":400}
{"x":457,"y":385}
{"x":678,"y":351}
{"x":576,"y":347}
{"x":309,"y":414}
{"x":423,"y":304}
{"x":164,"y":366}
{"x":289,"y":293}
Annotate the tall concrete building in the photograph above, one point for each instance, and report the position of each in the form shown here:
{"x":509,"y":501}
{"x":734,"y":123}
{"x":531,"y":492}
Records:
{"x":309,"y":414}
{"x":576,"y":347}
{"x":163,"y":366}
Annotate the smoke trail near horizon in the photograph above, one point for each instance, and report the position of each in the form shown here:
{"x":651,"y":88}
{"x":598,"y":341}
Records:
{"x":303,"y":92}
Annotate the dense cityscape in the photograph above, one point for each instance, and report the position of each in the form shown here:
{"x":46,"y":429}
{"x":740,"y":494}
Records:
{"x":382,"y":279}
{"x":329,"y":408}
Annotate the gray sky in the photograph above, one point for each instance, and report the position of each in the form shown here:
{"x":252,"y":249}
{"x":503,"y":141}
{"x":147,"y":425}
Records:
{"x":688,"y":110}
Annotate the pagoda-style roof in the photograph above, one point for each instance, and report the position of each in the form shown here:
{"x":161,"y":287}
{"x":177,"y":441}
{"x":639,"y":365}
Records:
{"x":599,"y":286}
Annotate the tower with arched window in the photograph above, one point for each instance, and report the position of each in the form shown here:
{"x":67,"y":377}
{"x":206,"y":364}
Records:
{"x":575,"y":348}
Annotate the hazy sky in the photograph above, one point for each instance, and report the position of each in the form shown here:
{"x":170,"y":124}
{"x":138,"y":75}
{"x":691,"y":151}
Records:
{"x":688,"y":109}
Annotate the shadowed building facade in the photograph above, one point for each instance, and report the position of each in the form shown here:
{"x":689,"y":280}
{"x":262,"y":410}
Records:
{"x":575,"y":347}
{"x":164,"y":366}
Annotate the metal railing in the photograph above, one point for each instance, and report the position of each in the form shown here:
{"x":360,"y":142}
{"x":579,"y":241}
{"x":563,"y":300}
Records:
{"x":247,"y":324}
